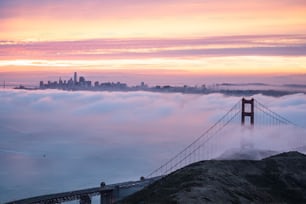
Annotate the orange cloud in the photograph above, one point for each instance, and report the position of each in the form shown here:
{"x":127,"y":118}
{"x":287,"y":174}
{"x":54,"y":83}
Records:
{"x":243,"y":65}
{"x":95,"y":19}
{"x":36,"y":35}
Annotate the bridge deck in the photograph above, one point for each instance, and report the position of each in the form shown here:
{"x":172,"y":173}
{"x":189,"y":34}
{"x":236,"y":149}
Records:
{"x":78,"y":194}
{"x":65,"y":196}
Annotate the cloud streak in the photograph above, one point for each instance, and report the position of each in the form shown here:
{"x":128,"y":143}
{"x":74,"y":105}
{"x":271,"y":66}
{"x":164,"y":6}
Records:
{"x":266,"y":45}
{"x":74,"y":20}
{"x":78,"y":7}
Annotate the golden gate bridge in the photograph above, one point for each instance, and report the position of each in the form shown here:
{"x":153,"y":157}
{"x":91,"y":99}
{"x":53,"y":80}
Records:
{"x":205,"y":147}
{"x":247,"y":114}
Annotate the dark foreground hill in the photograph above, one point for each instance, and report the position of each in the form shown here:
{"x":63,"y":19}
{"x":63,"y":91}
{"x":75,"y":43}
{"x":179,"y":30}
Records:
{"x":277,"y":179}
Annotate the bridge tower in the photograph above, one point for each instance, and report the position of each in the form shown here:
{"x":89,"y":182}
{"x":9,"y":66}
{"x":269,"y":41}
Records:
{"x":247,"y":113}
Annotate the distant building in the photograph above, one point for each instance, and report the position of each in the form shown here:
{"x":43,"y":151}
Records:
{"x":75,"y":78}
{"x":88,"y":83}
{"x":82,"y":79}
{"x":70,"y":82}
{"x":60,"y":81}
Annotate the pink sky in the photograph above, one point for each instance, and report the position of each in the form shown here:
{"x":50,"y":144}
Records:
{"x":187,"y":39}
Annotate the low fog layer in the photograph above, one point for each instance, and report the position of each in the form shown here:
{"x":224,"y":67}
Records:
{"x":53,"y":141}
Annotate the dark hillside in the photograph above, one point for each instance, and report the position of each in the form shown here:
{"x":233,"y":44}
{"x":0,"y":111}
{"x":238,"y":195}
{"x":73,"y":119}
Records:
{"x":277,"y":179}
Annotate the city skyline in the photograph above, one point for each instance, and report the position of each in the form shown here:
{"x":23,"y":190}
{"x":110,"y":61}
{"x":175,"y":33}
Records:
{"x":81,"y":83}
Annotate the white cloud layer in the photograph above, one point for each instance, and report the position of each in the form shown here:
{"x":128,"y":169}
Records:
{"x":53,"y":141}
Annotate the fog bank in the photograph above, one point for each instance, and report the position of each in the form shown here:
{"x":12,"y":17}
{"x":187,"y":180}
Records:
{"x":53,"y":141}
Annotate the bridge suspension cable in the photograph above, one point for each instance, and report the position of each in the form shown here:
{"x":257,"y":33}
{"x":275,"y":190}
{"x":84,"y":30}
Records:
{"x":205,"y":146}
{"x":192,"y":152}
{"x":271,"y":117}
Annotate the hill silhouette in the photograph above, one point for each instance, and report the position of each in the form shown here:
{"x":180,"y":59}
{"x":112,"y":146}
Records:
{"x":276,"y":179}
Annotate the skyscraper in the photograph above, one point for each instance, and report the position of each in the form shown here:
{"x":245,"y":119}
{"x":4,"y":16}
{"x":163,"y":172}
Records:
{"x":75,"y":78}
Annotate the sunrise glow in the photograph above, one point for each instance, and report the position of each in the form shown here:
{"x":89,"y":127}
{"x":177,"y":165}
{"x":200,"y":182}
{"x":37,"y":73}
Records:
{"x":196,"y":37}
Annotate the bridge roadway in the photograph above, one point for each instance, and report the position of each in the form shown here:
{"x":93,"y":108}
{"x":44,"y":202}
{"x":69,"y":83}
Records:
{"x":108,"y":193}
